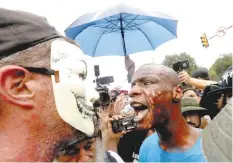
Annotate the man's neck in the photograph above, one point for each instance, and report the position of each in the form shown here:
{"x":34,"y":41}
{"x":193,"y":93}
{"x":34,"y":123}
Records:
{"x":177,"y":134}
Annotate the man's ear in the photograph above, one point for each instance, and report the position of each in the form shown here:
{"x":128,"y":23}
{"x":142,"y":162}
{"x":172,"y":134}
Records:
{"x":177,"y":94}
{"x":13,"y":88}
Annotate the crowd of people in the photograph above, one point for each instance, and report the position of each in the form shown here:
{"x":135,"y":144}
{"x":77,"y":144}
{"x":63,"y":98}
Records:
{"x":47,"y":112}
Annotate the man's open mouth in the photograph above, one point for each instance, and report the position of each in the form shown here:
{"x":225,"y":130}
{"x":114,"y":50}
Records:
{"x":140,"y":110}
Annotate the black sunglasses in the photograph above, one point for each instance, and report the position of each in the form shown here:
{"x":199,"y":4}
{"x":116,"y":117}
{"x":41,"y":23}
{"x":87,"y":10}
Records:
{"x":44,"y":71}
{"x":47,"y":71}
{"x":71,"y":149}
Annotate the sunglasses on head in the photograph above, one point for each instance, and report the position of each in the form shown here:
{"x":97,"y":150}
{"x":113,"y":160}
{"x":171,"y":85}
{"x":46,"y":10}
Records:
{"x":47,"y":71}
{"x":44,"y":71}
{"x":72,"y":149}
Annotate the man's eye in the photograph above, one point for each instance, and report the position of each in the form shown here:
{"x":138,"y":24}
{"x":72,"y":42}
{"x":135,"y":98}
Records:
{"x":72,"y":151}
{"x":88,"y":146}
{"x":147,"y":83}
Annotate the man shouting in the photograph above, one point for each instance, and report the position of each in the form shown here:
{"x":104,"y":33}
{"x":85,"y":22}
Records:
{"x":156,"y":99}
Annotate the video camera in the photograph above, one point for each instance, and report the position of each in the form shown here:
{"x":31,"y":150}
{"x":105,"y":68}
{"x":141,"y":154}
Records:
{"x":124,"y":124}
{"x":127,"y":123}
{"x":103,"y":91}
{"x":181,"y":65}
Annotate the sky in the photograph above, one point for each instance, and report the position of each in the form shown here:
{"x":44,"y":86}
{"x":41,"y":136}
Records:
{"x":195,"y":17}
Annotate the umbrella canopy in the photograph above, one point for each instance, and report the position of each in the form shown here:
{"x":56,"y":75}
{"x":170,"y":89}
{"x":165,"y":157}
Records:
{"x":121,"y":30}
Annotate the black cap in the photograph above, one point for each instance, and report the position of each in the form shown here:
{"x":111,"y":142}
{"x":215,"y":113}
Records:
{"x":226,"y":81}
{"x":201,"y":73}
{"x":213,"y":92}
{"x":20,"y":30}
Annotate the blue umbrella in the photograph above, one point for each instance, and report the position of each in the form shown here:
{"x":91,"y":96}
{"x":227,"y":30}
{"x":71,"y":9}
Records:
{"x":121,"y":30}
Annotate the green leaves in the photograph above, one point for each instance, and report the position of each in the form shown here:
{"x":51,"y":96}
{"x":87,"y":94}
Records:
{"x":170,"y":59}
{"x":220,"y":65}
{"x":216,"y":70}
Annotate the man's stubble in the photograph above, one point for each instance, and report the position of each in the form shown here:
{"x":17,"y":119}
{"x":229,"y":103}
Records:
{"x":52,"y":130}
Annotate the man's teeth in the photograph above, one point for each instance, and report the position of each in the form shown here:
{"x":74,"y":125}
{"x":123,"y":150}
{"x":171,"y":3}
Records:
{"x":137,"y":105}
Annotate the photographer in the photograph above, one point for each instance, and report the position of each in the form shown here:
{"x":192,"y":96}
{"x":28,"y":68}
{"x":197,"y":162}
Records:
{"x":198,"y":82}
{"x":216,"y":96}
{"x":110,"y":103}
{"x":109,"y":139}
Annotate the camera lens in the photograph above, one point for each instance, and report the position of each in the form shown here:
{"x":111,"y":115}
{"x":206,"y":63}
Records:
{"x":114,"y":125}
{"x":104,"y":98}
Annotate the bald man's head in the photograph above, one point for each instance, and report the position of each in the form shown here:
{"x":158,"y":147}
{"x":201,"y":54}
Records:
{"x":155,"y":94}
{"x":164,"y":73}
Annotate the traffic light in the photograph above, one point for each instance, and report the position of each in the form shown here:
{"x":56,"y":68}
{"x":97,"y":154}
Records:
{"x":204,"y":41}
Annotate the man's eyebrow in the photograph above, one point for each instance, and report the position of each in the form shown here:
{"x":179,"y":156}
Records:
{"x":144,"y":78}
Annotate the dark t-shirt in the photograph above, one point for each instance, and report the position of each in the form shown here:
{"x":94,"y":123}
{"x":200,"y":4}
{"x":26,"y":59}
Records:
{"x":129,"y":145}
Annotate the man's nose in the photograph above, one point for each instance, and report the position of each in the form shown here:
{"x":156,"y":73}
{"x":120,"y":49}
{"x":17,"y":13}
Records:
{"x":135,"y":91}
{"x":188,"y":119}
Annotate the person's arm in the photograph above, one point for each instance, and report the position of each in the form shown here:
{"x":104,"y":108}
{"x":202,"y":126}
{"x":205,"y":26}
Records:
{"x":198,"y":83}
{"x":109,"y":139}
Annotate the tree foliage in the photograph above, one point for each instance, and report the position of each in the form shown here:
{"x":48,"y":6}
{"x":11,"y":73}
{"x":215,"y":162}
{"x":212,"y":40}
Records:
{"x":171,"y":59}
{"x":220,"y":65}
